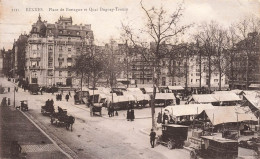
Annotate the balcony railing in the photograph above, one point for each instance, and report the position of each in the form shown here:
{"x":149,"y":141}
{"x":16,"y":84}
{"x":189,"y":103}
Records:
{"x":35,"y":58}
{"x":61,"y":59}
{"x":34,"y":67}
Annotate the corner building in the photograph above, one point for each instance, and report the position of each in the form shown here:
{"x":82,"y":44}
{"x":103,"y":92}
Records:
{"x":51,"y":50}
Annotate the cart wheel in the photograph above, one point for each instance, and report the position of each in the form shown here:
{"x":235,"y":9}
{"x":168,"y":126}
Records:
{"x":170,"y":144}
{"x":193,"y":154}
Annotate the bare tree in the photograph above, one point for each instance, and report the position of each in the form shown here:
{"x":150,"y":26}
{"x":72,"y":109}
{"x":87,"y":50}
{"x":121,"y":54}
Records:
{"x":160,"y":27}
{"x":81,"y":67}
{"x":248,"y":30}
{"x":206,"y":38}
{"x":221,"y":54}
{"x":231,"y":50}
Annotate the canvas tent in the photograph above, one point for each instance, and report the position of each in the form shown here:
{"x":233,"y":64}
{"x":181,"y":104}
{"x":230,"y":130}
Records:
{"x":149,"y":90}
{"x":165,"y":99}
{"x":225,"y":97}
{"x":175,"y":88}
{"x":202,"y":98}
{"x":227,"y":114}
{"x":184,"y":110}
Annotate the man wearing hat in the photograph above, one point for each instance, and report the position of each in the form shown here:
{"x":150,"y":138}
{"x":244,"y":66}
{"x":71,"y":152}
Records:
{"x":152,"y":138}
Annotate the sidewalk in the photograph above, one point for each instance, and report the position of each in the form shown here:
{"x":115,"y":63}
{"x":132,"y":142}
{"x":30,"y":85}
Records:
{"x":15,"y":126}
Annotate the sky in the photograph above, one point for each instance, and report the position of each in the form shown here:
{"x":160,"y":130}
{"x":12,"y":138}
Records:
{"x":106,"y":16}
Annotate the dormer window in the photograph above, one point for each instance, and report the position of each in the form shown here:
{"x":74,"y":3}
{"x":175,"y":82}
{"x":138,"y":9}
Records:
{"x":61,"y":31}
{"x":69,"y":39}
{"x":78,"y":33}
{"x":69,"y":32}
{"x":49,"y":31}
{"x":34,"y":29}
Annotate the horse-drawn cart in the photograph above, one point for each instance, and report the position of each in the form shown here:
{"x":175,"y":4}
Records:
{"x":61,"y":119}
{"x":96,"y":109}
{"x":48,"y":109}
{"x":24,"y":105}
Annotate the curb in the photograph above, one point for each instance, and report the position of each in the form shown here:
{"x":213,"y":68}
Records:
{"x":66,"y":154}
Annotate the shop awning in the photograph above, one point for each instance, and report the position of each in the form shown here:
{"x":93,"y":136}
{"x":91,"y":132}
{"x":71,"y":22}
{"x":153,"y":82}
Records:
{"x":175,"y":88}
{"x":191,"y":109}
{"x":228,"y":114}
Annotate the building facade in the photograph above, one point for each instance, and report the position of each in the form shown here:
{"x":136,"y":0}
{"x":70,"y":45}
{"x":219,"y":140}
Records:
{"x":51,"y":48}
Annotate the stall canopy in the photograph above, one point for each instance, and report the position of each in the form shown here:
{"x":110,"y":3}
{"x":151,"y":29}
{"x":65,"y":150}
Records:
{"x":228,"y":114}
{"x":165,"y":96}
{"x":225,"y":97}
{"x":211,"y":98}
{"x":254,"y":100}
{"x":135,"y":90}
{"x":203,"y":98}
{"x":149,"y":90}
{"x":137,"y":95}
{"x":237,"y":91}
{"x":175,"y":88}
{"x":191,"y":109}
{"x":254,"y":86}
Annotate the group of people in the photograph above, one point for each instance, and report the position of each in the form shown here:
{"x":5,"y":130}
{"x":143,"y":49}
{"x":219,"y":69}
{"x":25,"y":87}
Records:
{"x":163,"y":118}
{"x":49,"y":103}
{"x":111,"y":110}
{"x":130,"y":116}
{"x":58,"y":97}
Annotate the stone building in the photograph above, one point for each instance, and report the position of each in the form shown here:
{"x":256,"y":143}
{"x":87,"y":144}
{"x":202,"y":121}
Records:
{"x":51,"y":48}
{"x":18,"y":64}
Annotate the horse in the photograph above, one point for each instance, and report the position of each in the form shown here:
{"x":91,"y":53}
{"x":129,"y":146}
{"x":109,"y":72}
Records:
{"x":69,"y":122}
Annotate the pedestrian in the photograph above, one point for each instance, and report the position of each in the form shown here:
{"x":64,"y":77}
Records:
{"x":159,"y":118}
{"x":51,"y":102}
{"x":128,"y":115}
{"x":41,"y":90}
{"x":132,"y":115}
{"x":61,"y":91}
{"x":8,"y":89}
{"x":165,"y":117}
{"x":67,"y":97}
{"x":116,"y":114}
{"x":60,"y":97}
{"x":112,"y":110}
{"x":152,"y":138}
{"x":16,"y":89}
{"x":109,"y":111}
{"x":69,"y":94}
{"x":178,"y":100}
{"x":57,"y":97}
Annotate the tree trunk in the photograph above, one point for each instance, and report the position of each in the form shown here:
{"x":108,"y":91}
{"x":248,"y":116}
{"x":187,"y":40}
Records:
{"x":186,"y":73}
{"x":232,"y":74}
{"x":209,"y":59}
{"x":220,"y":74}
{"x":247,"y":69}
{"x":200,"y":63}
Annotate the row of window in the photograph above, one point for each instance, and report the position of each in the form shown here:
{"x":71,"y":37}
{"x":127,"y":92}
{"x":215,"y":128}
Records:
{"x":50,"y":73}
{"x":198,"y":80}
{"x":62,"y":31}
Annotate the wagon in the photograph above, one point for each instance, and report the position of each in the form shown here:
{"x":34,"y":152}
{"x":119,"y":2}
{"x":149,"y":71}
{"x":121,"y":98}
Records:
{"x":96,"y":109}
{"x":173,"y":135}
{"x":215,"y":147}
{"x":47,"y":109}
{"x":59,"y":117}
{"x":24,"y":105}
{"x":33,"y":88}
